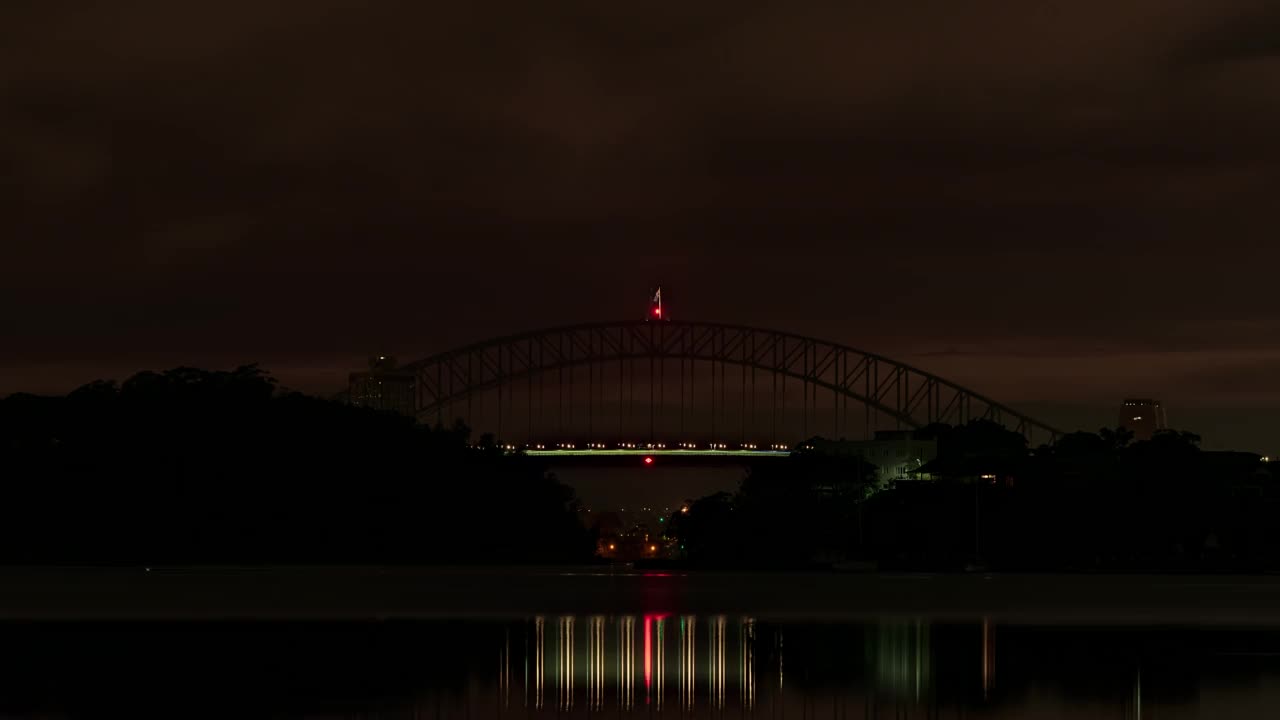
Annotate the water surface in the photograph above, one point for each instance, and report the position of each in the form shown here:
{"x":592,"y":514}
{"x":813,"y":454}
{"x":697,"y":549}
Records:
{"x":651,"y":665}
{"x":472,"y":643}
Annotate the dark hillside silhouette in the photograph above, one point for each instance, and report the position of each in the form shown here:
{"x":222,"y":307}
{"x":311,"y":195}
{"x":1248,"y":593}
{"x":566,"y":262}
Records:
{"x":220,"y":467}
{"x":192,"y":466}
{"x":1089,"y":502}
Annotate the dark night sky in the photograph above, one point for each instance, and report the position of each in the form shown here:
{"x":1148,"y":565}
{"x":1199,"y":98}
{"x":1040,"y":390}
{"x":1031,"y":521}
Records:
{"x":1056,"y":203}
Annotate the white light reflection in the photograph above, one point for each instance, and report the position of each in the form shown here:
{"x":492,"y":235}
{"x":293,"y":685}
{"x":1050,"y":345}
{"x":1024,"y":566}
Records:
{"x":626,"y":662}
{"x":715,"y":660}
{"x":688,"y":635}
{"x":539,"y":644}
{"x":629,"y":659}
{"x":660,"y":660}
{"x":747,"y":658}
{"x":779,"y":639}
{"x":564,"y":663}
{"x":1137,"y":695}
{"x":595,"y":663}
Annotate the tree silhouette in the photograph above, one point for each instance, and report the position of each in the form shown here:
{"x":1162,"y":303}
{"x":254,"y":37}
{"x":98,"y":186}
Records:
{"x":189,"y":465}
{"x":1089,"y":501}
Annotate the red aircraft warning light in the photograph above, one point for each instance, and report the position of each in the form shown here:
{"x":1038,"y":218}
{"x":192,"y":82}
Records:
{"x":655,"y":304}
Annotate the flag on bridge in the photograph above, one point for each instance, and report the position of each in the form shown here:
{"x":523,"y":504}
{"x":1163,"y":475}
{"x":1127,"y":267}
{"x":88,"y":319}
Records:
{"x":655,"y":304}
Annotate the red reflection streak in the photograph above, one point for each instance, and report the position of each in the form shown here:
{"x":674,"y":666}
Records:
{"x":647,"y":622}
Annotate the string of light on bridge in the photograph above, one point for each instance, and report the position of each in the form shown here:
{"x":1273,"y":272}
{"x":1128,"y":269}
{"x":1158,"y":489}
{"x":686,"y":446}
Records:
{"x":648,"y":450}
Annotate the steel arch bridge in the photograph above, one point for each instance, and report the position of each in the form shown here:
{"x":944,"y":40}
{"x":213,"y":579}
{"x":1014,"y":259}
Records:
{"x":829,"y":375}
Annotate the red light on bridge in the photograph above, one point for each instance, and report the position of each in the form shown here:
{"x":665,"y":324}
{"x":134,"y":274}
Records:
{"x":648,"y":461}
{"x":655,"y":304}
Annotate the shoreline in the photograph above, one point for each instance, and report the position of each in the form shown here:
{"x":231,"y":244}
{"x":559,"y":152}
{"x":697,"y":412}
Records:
{"x":314,"y":593}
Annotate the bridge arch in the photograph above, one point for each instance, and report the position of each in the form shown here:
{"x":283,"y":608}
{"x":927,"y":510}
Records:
{"x":902,"y":394}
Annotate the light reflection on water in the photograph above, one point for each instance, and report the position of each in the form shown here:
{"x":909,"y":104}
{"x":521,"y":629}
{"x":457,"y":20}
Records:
{"x":726,"y":666}
{"x":716,"y":660}
{"x":640,"y":665}
{"x":631,"y":671}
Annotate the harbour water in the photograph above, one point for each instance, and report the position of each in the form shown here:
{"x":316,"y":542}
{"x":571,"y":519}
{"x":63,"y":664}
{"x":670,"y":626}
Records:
{"x":650,"y":649}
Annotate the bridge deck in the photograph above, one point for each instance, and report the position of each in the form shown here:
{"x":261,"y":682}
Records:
{"x":641,"y":452}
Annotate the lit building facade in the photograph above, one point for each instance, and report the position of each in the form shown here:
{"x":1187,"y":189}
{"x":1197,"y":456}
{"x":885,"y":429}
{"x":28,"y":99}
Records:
{"x":384,"y":387}
{"x":1143,"y":417}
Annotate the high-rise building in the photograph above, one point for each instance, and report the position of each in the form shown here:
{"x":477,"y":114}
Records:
{"x":1143,"y":417}
{"x":384,"y":387}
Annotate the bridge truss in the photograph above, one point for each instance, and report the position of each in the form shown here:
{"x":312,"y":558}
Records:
{"x":735,"y":372}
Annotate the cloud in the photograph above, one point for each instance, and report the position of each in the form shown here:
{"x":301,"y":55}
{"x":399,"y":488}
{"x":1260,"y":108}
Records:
{"x":299,"y":180}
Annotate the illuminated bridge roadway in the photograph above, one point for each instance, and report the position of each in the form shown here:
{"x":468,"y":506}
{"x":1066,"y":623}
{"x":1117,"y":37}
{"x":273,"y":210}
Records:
{"x":744,"y":390}
{"x":651,"y":454}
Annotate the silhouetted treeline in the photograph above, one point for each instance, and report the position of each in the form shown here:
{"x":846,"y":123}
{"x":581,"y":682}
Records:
{"x":220,"y":467}
{"x":1089,"y":502}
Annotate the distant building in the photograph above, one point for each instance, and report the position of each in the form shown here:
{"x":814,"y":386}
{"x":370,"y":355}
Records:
{"x":1143,"y":417}
{"x":384,"y":387}
{"x":894,"y":453}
